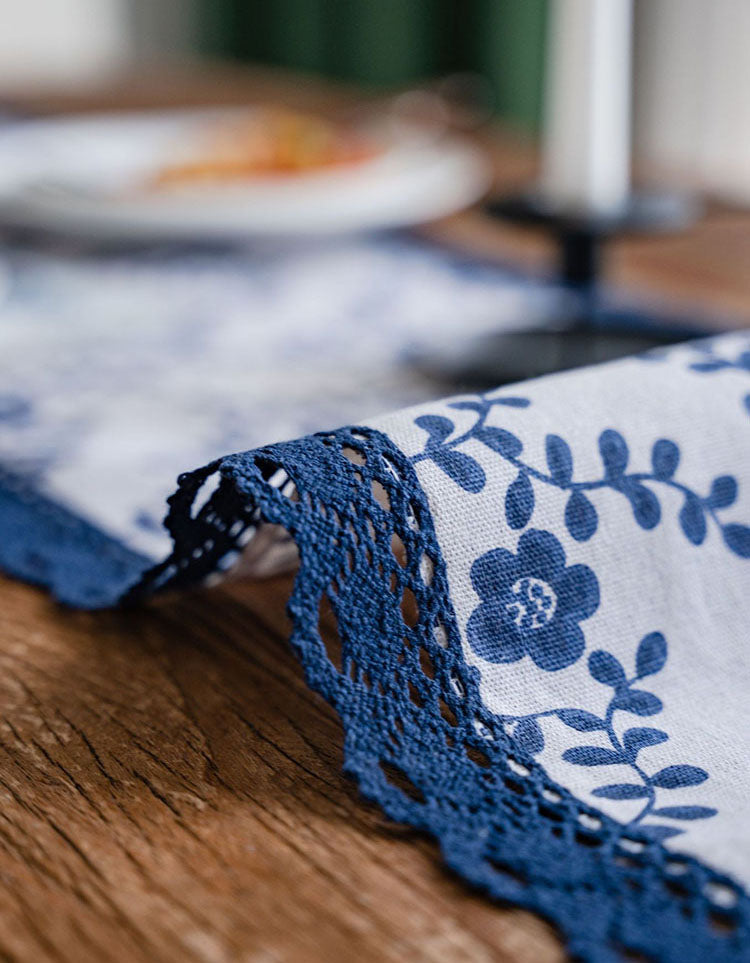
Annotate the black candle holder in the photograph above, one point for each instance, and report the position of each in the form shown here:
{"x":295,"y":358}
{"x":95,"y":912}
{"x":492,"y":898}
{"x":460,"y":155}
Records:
{"x":585,"y":327}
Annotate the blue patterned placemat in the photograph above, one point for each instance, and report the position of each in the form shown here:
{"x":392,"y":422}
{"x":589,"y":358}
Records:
{"x":541,"y":591}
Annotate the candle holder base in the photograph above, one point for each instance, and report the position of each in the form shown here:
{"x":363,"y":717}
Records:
{"x":592,"y":331}
{"x":505,"y":357}
{"x":644,"y":211}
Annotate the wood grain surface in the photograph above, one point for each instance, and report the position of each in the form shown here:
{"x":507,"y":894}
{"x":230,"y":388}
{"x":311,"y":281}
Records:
{"x":170,"y":789}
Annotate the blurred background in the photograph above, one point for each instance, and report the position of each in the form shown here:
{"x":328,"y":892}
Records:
{"x":691,"y":92}
{"x":415,"y":198}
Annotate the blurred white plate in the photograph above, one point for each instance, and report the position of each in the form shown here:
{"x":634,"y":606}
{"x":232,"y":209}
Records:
{"x":74,"y":175}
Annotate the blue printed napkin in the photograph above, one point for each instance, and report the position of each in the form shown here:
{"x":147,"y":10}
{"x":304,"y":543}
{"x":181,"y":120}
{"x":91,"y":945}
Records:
{"x":542,"y":592}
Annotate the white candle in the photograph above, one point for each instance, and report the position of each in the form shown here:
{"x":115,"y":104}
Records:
{"x":586,"y":138}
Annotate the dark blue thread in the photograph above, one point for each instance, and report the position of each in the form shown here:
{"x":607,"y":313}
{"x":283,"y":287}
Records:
{"x":418,"y":737}
{"x":500,"y":821}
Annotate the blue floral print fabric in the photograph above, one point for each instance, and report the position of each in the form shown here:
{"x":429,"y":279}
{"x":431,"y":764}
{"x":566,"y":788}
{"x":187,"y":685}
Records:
{"x":541,"y":594}
{"x":596,"y":532}
{"x":531,"y":603}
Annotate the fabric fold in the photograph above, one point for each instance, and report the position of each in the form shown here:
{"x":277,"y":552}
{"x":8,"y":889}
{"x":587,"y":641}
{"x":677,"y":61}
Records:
{"x":541,"y":601}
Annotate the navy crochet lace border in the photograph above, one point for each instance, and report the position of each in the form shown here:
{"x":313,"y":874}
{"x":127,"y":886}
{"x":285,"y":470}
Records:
{"x":418,"y":739}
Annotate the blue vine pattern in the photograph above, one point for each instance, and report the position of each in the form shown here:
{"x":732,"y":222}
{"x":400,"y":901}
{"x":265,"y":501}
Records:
{"x":581,"y":517}
{"x":712,"y":362}
{"x":605,"y":668}
{"x":709,"y":361}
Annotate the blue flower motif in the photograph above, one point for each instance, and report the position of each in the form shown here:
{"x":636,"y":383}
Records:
{"x":531,"y":603}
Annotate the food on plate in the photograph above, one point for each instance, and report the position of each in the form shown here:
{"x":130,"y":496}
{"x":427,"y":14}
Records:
{"x":268,"y":142}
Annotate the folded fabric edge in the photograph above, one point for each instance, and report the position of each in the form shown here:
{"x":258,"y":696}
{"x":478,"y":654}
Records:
{"x":418,"y":738}
{"x":45,"y":544}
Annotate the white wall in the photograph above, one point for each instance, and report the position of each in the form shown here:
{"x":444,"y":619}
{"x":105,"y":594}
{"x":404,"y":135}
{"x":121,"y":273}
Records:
{"x":60,"y":40}
{"x":69,"y":41}
{"x":692,"y":91}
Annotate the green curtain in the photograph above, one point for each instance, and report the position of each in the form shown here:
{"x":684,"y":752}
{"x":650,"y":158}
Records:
{"x":391,"y":43}
{"x":510,"y":53}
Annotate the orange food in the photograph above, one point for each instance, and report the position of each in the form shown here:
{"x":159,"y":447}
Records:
{"x":271,"y":142}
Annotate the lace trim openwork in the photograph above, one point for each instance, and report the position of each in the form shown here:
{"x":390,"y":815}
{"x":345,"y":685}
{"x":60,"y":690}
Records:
{"x":417,"y":736}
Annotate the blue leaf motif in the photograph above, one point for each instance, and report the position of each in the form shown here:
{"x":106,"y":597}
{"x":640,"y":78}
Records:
{"x":436,"y":426}
{"x":746,"y":403}
{"x":638,"y":702}
{"x":559,"y":459}
{"x":606,"y":669}
{"x":692,"y":519}
{"x":705,"y":367}
{"x":528,"y":734}
{"x":645,"y":504}
{"x":512,"y":402}
{"x":675,"y":777}
{"x":478,"y":406}
{"x":650,"y":658}
{"x":519,"y":501}
{"x":651,"y":655}
{"x":461,"y":468}
{"x":614,"y":451}
{"x":660,"y":833}
{"x":580,"y":517}
{"x":503,"y":442}
{"x":737,"y":539}
{"x":640,"y":737}
{"x":581,"y":720}
{"x":592,"y":756}
{"x":621,"y":790}
{"x":686,"y":812}
{"x":723,"y":492}
{"x":665,"y":457}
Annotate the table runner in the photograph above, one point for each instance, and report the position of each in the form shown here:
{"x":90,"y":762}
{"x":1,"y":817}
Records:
{"x":121,"y":368}
{"x":542,"y":608}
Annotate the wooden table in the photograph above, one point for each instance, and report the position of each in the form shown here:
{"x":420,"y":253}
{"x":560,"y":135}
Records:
{"x":171,"y":790}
